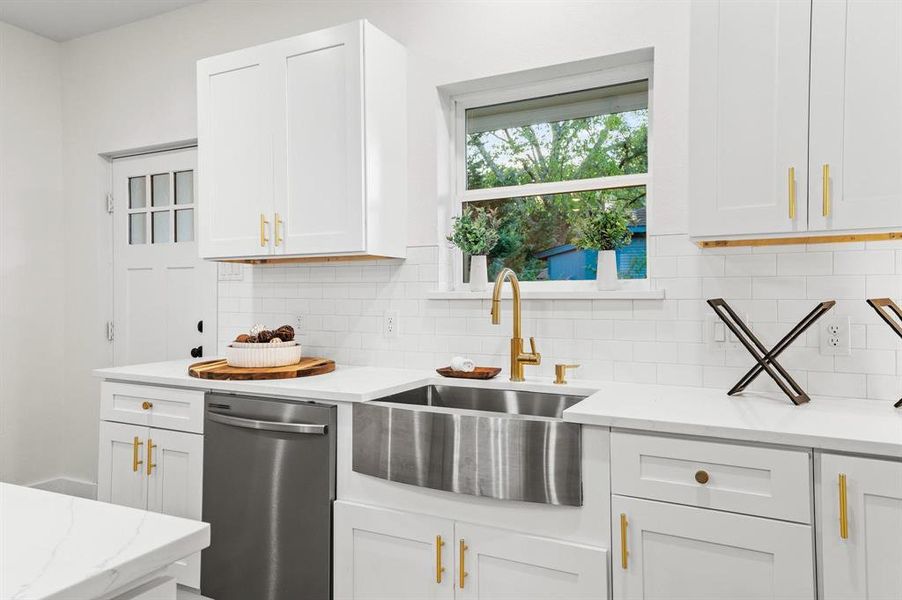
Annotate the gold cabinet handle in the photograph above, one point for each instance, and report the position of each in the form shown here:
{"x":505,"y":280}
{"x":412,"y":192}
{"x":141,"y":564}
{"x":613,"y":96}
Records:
{"x":278,"y":226}
{"x":263,"y":224}
{"x":150,"y":463}
{"x":701,"y":476}
{"x":135,"y":462}
{"x":463,"y":573}
{"x":825,"y":209}
{"x":146,"y":405}
{"x":623,"y":551}
{"x":439,"y":569}
{"x":843,"y":508}
{"x":792,"y":193}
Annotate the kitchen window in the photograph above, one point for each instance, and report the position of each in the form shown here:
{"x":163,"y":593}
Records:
{"x":536,"y":154}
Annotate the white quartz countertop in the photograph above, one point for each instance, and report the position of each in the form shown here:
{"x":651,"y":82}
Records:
{"x":348,"y":384}
{"x":54,"y":546}
{"x":846,"y":425}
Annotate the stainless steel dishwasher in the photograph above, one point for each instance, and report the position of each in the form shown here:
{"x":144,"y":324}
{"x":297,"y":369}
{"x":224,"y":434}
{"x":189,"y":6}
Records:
{"x":269,"y":483}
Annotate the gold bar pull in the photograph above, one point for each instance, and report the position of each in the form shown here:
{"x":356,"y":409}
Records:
{"x":825,"y":209}
{"x":623,"y":551}
{"x":439,"y":569}
{"x":263,"y":224}
{"x":792,"y":193}
{"x":843,"y":508}
{"x":463,"y":572}
{"x":150,"y":463}
{"x":278,"y":226}
{"x":135,"y":462}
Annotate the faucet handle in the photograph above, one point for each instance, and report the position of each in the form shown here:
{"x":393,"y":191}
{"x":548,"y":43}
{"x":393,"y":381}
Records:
{"x":560,"y":372}
{"x":532,"y":345}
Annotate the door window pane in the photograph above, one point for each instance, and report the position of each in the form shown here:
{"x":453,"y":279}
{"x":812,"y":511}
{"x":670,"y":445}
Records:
{"x":184,"y":225}
{"x":536,"y":235}
{"x":184,"y":187}
{"x":159,"y":189}
{"x":598,"y":132}
{"x":137,"y":228}
{"x":160,"y":227}
{"x":137,"y":192}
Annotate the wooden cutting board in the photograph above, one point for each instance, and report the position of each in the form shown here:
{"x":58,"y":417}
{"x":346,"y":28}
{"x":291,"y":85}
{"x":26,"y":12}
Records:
{"x":219,"y":369}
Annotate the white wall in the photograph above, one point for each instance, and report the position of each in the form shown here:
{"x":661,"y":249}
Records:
{"x":134,"y":86}
{"x":31,"y":259}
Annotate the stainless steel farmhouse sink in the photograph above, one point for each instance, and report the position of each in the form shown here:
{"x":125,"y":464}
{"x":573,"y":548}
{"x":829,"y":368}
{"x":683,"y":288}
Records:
{"x":506,"y":444}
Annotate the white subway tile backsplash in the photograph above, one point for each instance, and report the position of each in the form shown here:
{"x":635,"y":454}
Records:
{"x":341,"y":309}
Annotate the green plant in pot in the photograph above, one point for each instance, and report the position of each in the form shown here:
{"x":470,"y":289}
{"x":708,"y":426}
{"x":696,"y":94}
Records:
{"x":475,"y":233}
{"x":604,"y":227}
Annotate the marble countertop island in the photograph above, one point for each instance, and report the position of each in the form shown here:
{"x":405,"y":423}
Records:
{"x":54,"y":546}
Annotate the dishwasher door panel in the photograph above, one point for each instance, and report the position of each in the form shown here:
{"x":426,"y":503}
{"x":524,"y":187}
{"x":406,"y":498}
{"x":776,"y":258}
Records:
{"x":268,"y":498}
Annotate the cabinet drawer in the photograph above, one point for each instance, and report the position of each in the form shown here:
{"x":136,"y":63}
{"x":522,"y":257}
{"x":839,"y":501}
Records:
{"x":167,"y":408}
{"x":756,"y":481}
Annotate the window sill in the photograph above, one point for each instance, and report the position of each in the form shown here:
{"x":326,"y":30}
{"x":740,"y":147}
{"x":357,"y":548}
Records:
{"x":624,"y":294}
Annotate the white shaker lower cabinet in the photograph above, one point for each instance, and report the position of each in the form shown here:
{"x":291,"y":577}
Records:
{"x":496,"y":563}
{"x":157,"y":470}
{"x":669,"y":551}
{"x":861,"y":528}
{"x":387,"y":554}
{"x":391,"y":555}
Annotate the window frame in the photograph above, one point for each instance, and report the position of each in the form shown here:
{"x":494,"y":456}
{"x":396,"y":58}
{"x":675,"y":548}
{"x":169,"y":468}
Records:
{"x":546,"y":86}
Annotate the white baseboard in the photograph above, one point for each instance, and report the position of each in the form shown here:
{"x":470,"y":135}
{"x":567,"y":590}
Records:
{"x":71,"y":487}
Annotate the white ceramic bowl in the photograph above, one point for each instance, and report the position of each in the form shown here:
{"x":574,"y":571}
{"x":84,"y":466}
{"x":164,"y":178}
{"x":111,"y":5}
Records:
{"x":263,"y":355}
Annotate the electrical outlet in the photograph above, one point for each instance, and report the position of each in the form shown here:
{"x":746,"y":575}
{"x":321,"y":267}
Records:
{"x":390,"y":324}
{"x":835,"y":336}
{"x":299,"y":324}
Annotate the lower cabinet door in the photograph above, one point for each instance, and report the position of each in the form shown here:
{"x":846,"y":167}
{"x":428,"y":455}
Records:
{"x":668,"y":551}
{"x":391,"y":555}
{"x":121,"y":475}
{"x":174,"y":472}
{"x":861,"y":528}
{"x":494,"y":563}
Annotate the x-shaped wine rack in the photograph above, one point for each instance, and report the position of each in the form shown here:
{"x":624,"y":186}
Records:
{"x":884,"y":308}
{"x":766,"y":360}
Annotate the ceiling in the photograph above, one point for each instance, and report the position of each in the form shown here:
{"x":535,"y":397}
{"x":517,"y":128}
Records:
{"x":63,"y":20}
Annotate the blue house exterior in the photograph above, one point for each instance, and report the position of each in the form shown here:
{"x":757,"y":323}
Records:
{"x":567,"y":262}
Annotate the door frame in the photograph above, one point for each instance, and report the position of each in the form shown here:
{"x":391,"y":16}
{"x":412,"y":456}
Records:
{"x":209,"y":336}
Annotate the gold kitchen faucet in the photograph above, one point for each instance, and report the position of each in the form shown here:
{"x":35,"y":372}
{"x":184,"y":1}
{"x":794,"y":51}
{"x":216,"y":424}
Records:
{"x":518,"y":356}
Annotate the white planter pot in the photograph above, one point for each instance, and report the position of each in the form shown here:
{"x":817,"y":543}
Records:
{"x":606,"y":275}
{"x":479,"y":273}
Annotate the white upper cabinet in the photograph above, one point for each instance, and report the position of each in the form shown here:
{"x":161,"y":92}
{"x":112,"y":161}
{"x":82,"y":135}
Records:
{"x":235,"y":154}
{"x":856,"y":114}
{"x":319,"y":168}
{"x":860,"y":528}
{"x":779,"y":146}
{"x":748,"y":117}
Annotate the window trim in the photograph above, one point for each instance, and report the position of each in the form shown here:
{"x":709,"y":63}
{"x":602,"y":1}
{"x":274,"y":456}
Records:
{"x":549,"y":85}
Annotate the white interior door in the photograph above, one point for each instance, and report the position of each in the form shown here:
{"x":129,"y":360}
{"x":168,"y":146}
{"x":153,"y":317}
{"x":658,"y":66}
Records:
{"x":163,"y":293}
{"x":856,"y":114}
{"x":675,"y":551}
{"x":867,"y":563}
{"x":749,"y":117}
{"x":319,"y":150}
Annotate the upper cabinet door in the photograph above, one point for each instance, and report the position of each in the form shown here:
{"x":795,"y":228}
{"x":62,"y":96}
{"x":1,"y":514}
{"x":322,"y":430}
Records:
{"x":319,"y":142}
{"x":748,"y":117}
{"x":856,"y":114}
{"x":861,"y":528}
{"x":235,"y":157}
